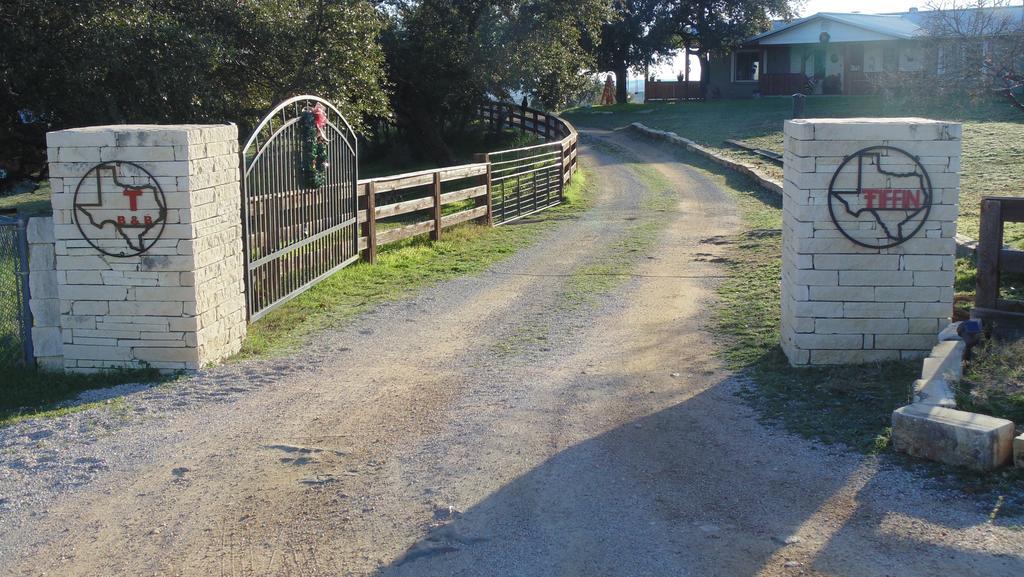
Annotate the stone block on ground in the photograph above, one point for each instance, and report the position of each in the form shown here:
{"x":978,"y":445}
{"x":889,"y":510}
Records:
{"x":1018,"y":452}
{"x":934,"y":392}
{"x":945,"y":362}
{"x":954,"y":437}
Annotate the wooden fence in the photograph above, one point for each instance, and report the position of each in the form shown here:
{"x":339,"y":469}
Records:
{"x":783,"y":84}
{"x":671,"y":90}
{"x":995,"y":260}
{"x":458,"y":194}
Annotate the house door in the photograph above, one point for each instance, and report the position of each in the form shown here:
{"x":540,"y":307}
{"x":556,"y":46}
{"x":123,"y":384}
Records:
{"x":856,"y":81}
{"x":819,"y":63}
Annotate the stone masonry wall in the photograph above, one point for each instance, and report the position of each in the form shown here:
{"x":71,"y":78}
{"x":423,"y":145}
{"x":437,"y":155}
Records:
{"x":47,"y":344}
{"x":844,"y":303}
{"x":179,"y":304}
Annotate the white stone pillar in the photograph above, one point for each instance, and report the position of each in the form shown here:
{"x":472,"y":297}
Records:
{"x":869,"y":218}
{"x":148,"y":245}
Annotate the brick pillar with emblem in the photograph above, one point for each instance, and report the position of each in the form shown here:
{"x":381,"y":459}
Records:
{"x":148,"y":243}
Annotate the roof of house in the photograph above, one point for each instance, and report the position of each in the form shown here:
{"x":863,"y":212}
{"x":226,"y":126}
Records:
{"x":907,"y":25}
{"x":887,"y":24}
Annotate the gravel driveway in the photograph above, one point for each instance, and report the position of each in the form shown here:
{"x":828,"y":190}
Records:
{"x":495,"y":425}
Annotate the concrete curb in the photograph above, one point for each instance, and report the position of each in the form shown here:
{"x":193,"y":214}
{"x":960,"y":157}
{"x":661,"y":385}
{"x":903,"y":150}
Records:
{"x":965,"y":246}
{"x":750,"y":171}
{"x":932,"y":428}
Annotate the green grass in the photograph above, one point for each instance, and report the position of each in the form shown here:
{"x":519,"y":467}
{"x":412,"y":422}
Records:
{"x":29,"y":393}
{"x":402,"y":268}
{"x":10,"y":306}
{"x":993,"y":382}
{"x":993,"y":147}
{"x":612,"y":267}
{"x":34,"y":203}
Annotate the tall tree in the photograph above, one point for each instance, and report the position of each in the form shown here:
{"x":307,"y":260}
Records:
{"x":551,"y":43}
{"x":446,"y":57}
{"x":708,"y":27}
{"x":91,"y":61}
{"x":632,"y":38}
{"x":970,"y":48}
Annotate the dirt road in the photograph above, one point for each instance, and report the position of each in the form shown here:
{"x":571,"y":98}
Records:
{"x":534,"y":420}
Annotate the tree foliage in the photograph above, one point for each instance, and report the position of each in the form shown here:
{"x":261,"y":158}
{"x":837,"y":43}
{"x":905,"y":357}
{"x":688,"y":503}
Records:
{"x":971,"y":49}
{"x":446,"y":57}
{"x":632,"y":39}
{"x":82,"y":62}
{"x":425,"y":65}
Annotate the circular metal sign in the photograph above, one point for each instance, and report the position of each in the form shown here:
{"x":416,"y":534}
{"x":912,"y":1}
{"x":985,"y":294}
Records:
{"x":880,"y":197}
{"x":120,"y":209}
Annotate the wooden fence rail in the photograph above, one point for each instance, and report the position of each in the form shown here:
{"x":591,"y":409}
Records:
{"x":995,"y":260}
{"x":440,"y":188}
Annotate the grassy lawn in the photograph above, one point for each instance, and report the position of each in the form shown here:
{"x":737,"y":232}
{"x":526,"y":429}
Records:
{"x":993,"y":161}
{"x":402,"y":268}
{"x":30,"y":203}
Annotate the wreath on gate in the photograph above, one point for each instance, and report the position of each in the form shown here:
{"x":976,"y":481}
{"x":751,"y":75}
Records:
{"x":313,"y":131}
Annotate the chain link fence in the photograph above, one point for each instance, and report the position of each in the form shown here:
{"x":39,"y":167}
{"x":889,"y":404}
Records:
{"x":15,"y":318}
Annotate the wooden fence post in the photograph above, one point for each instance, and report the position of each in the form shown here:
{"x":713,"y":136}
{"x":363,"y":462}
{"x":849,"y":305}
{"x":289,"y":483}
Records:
{"x":370,"y":255}
{"x":990,"y":244}
{"x":565,"y":169}
{"x":561,"y":176}
{"x":485,"y":180}
{"x":489,"y":199}
{"x":436,"y":233}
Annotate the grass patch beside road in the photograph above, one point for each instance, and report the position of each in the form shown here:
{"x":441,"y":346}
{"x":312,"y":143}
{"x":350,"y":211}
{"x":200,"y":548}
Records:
{"x":993,"y":146}
{"x":848,"y":404}
{"x":401,"y":269}
{"x":612,"y":267}
{"x":29,"y":393}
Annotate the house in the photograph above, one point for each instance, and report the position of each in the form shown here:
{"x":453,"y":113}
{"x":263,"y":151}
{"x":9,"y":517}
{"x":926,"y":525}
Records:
{"x":852,"y":53}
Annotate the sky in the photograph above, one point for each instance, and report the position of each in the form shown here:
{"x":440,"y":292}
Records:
{"x":669,"y":71}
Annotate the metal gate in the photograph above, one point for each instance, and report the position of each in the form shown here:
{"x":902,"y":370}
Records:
{"x":15,"y":317}
{"x":525,"y":180}
{"x":299,"y":173}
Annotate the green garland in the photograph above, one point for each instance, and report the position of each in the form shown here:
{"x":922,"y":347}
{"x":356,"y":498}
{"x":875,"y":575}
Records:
{"x":314,"y":151}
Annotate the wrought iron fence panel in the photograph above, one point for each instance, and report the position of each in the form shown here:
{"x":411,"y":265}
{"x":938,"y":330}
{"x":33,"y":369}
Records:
{"x":296,"y":232}
{"x":525,"y":180}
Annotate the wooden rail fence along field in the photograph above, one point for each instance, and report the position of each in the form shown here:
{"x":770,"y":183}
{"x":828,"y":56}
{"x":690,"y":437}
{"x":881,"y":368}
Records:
{"x":995,"y":260}
{"x":500,"y":187}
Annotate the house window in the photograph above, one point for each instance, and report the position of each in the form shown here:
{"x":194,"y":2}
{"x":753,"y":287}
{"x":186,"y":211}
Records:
{"x":746,"y":66}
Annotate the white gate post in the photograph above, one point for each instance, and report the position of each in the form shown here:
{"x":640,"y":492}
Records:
{"x":869,"y":218}
{"x":148,"y":245}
